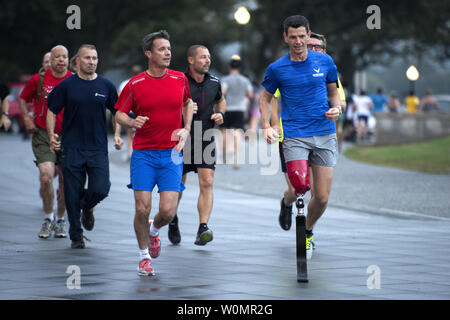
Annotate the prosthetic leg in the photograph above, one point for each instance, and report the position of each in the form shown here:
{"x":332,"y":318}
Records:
{"x":298,"y":173}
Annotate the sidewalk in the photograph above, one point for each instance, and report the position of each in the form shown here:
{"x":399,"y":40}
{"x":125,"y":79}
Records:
{"x":250,"y":258}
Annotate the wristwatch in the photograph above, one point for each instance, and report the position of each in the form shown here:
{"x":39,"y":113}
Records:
{"x":6,"y":113}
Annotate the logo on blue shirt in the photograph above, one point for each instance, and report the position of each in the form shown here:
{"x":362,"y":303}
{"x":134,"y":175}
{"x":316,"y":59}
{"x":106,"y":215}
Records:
{"x":318,"y":73}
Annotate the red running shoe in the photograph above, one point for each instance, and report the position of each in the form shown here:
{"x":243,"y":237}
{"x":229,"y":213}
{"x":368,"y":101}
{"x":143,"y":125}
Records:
{"x":145,"y":268}
{"x":154,"y":245}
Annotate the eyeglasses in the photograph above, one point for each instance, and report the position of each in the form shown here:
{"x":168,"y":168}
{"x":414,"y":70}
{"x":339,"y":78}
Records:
{"x":316,"y":47}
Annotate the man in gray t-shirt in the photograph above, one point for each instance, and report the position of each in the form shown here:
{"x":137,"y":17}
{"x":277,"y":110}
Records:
{"x":236,"y":88}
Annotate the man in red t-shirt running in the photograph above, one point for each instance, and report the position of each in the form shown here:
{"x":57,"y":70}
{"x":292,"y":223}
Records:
{"x":36,"y":91}
{"x":161,"y":100}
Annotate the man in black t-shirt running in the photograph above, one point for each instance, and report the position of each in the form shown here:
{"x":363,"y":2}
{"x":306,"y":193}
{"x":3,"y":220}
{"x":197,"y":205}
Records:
{"x":199,"y":155}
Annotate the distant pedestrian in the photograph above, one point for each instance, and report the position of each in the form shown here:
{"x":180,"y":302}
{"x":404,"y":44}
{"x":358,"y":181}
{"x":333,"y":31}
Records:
{"x":379,"y":101}
{"x":428,"y":103}
{"x":393,"y":104}
{"x":160,"y":99}
{"x":412,"y":102}
{"x":85,"y":97}
{"x":36,"y":91}
{"x":46,"y":64}
{"x":200,"y":154}
{"x":73,"y":64}
{"x":363,"y":105}
{"x":237,"y":89}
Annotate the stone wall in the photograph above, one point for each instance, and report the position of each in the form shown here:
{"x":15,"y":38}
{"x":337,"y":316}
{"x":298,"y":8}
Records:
{"x":401,"y":128}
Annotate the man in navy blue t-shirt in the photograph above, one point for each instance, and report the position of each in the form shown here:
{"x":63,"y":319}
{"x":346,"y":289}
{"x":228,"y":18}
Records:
{"x":310,"y":106}
{"x":84,"y":97}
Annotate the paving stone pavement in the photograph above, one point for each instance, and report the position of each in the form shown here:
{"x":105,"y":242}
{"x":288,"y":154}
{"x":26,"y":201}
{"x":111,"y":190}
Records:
{"x":250,"y":258}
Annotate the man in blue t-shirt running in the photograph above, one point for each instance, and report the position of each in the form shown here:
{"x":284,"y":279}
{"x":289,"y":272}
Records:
{"x":85,"y":96}
{"x":307,"y":81}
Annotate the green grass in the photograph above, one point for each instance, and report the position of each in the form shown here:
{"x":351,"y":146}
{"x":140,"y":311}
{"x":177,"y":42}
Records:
{"x":430,"y":156}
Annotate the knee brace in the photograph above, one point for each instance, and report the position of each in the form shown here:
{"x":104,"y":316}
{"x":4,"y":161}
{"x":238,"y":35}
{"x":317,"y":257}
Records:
{"x":298,"y":173}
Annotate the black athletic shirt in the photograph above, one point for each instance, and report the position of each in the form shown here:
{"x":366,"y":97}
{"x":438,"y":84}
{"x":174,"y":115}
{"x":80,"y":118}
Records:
{"x":205,"y":94}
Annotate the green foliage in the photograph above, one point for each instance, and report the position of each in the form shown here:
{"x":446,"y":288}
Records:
{"x":407,"y":27}
{"x":116,"y":27}
{"x":30,"y":28}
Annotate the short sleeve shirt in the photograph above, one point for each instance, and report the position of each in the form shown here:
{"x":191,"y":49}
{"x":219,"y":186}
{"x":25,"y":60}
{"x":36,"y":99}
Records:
{"x":160,"y":99}
{"x":237,"y":87}
{"x":85,"y":103}
{"x":206,"y":94}
{"x":303,"y":88}
{"x":29,"y":94}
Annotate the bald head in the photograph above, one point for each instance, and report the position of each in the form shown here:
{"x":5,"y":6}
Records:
{"x":59,"y":60}
{"x":58,"y":48}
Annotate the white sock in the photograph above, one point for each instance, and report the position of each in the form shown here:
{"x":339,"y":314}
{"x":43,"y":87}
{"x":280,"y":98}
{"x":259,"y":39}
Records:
{"x":153,"y":230}
{"x":144,"y":254}
{"x":50,"y":216}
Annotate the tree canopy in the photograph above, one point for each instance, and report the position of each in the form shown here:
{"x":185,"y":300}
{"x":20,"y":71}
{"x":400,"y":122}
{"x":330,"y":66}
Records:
{"x":30,"y":28}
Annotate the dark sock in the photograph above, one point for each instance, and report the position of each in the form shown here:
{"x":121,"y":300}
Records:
{"x":202,"y":227}
{"x":308,"y":233}
{"x":174,"y":220}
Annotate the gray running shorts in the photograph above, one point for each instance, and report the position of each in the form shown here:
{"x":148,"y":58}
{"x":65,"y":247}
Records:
{"x":319,"y":150}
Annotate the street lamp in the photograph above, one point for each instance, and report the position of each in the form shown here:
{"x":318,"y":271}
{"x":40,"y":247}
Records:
{"x":242,"y":16}
{"x":412,"y":74}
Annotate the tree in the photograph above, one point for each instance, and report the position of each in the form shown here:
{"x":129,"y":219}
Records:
{"x":115,"y":27}
{"x":407,"y":27}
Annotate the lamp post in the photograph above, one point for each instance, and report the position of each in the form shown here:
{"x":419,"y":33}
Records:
{"x":242,"y":17}
{"x":412,"y":74}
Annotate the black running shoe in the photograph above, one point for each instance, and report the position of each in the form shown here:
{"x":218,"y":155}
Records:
{"x":78,"y":244}
{"x":204,"y":237}
{"x":88,"y":219}
{"x":285,"y":217}
{"x":174,"y":231}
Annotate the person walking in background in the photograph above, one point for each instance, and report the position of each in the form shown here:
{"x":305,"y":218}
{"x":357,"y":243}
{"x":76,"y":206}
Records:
{"x":393,"y":104}
{"x":161,"y":100}
{"x":85,"y":97}
{"x":428,"y":103}
{"x":46,"y":64}
{"x":36,"y":91}
{"x":412,"y":102}
{"x":379,"y":101}
{"x":237,"y":89}
{"x":73,"y":65}
{"x":200,"y":154}
{"x":363,"y":105}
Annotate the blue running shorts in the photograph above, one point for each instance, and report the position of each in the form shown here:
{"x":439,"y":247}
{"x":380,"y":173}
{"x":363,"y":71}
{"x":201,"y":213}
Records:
{"x":163,"y":168}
